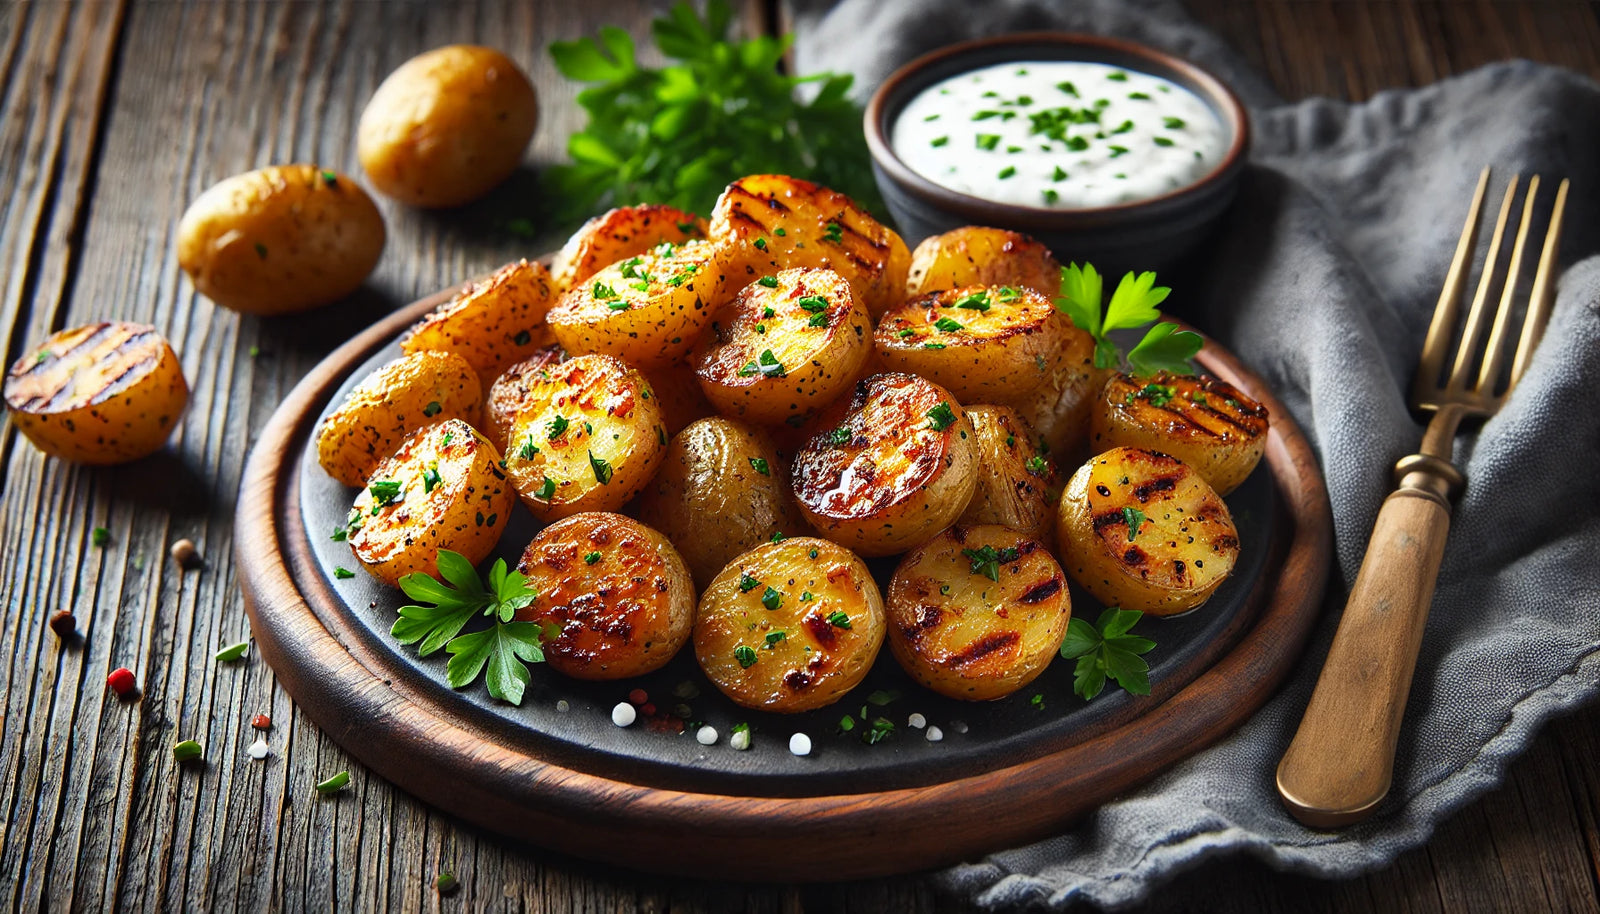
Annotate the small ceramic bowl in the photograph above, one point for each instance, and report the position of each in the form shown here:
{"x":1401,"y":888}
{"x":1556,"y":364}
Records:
{"x":1149,"y":234}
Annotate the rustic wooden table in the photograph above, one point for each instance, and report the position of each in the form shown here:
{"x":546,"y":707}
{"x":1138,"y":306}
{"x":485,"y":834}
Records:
{"x":113,"y":116}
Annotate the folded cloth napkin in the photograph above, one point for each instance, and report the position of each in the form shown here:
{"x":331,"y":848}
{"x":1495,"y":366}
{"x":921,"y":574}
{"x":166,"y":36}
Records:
{"x":1323,"y":280}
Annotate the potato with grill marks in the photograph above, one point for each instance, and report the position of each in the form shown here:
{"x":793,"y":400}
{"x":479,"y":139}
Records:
{"x":100,"y":394}
{"x":790,"y":344}
{"x":983,"y":344}
{"x":616,"y":591}
{"x":790,"y":626}
{"x":1142,"y":530}
{"x":493,"y":324}
{"x":624,"y":232}
{"x":1207,"y":423}
{"x":974,"y":255}
{"x":509,"y":393}
{"x":897,"y":466}
{"x":1014,"y":478}
{"x":774,"y":222}
{"x":406,"y":394}
{"x":977,"y":612}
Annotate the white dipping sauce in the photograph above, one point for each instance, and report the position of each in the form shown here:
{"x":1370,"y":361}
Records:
{"x":1059,"y":134}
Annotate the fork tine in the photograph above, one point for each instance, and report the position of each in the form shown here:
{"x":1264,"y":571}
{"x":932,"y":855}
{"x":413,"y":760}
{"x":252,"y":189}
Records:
{"x":1469,"y":336}
{"x":1539,"y":298}
{"x":1494,"y":355}
{"x":1444,"y":313}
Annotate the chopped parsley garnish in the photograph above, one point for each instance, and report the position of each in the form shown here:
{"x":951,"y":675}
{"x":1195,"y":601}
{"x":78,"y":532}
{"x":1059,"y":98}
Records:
{"x":1008,"y":294}
{"x":343,"y":573}
{"x":1159,"y":395}
{"x":777,"y":537}
{"x":839,"y":619}
{"x":987,"y":560}
{"x":1161,"y":141}
{"x":815,"y":304}
{"x":547,"y":489}
{"x":1172,"y":123}
{"x":941,"y":417}
{"x":1068,"y":88}
{"x":385,"y":491}
{"x":747,"y":583}
{"x":556,"y":426}
{"x":988,"y":140}
{"x":591,"y":558}
{"x":1123,"y":127}
{"x":840,"y":435}
{"x":1118,"y":151}
{"x":1117,"y":76}
{"x":767,"y":365}
{"x":947,"y":324}
{"x":602,"y":470}
{"x":833,"y":233}
{"x":974,"y":301}
{"x":985,"y":115}
{"x":100,"y":536}
{"x":932,"y":345}
{"x":1050,"y":196}
{"x":877,"y":731}
{"x":618,"y":305}
{"x":1139,"y":96}
{"x":774,"y":637}
{"x":1060,"y":174}
{"x":770,"y":282}
{"x":432,"y":409}
{"x":340,"y":534}
{"x":817,"y":320}
{"x":1037,"y":465}
{"x":1007,"y":172}
{"x":430,"y":478}
{"x":806,"y":597}
{"x":1077,"y":143}
{"x":746,"y":656}
{"x":528,"y":449}
{"x":761,"y":244}
{"x":1134,"y":519}
{"x":330,"y":179}
{"x":939,"y":141}
{"x":1107,"y":650}
{"x":1037,"y":701}
{"x":768,"y":313}
{"x":759,"y":464}
{"x":771,"y":599}
{"x":602,"y":291}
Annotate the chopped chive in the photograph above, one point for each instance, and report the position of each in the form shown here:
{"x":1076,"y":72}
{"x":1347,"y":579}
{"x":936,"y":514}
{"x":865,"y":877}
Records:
{"x":988,"y":140}
{"x":939,"y":141}
{"x":334,"y":784}
{"x":186,"y":751}
{"x":233,"y":651}
{"x":1161,"y":141}
{"x":1007,"y":172}
{"x":343,"y":573}
{"x":1172,"y":123}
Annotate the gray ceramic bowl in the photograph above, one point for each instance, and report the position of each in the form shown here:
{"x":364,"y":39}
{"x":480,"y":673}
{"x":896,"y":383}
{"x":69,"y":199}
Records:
{"x":1149,"y":234}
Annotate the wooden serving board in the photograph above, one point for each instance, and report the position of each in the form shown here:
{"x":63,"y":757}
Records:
{"x":1006,"y":772}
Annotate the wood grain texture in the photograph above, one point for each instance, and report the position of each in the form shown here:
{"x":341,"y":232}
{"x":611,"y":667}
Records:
{"x":111,"y":119}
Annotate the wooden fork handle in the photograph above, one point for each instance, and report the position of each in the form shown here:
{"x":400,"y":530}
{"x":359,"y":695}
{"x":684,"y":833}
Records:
{"x":1339,"y":765}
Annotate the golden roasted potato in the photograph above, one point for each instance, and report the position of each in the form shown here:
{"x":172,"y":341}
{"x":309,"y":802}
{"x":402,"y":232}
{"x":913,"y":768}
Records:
{"x":280,"y":239}
{"x":790,"y":343}
{"x":627,"y":231}
{"x":589,"y":437}
{"x":1204,"y":422}
{"x":678,"y":391}
{"x":443,"y":489}
{"x":980,"y":343}
{"x":649,"y":309}
{"x":1013,"y":476}
{"x":1142,"y":530}
{"x":977,"y":612}
{"x":394,"y":401}
{"x":100,"y":394}
{"x":509,"y":393}
{"x":789,"y":626}
{"x":974,"y":255}
{"x":617,"y":592}
{"x":1059,"y":409}
{"x":493,"y":324}
{"x":447,"y":126}
{"x":722,"y":491}
{"x":899,"y":466}
{"x":772,"y":222}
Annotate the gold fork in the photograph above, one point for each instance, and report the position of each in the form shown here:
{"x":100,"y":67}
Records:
{"x":1341,"y":761}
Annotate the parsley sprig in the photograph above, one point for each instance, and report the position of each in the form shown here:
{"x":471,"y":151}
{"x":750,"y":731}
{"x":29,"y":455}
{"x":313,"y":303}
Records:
{"x":1133,"y":305}
{"x":1107,"y":650}
{"x":443,"y":609}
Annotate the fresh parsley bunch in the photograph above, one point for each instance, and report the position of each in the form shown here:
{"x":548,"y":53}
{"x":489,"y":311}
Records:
{"x":1107,"y":650}
{"x":681,"y":133}
{"x":1133,"y":305}
{"x":445,"y":610}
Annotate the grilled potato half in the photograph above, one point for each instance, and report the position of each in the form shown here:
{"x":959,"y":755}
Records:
{"x":898,"y":466}
{"x":443,"y":489}
{"x":1142,"y":530}
{"x":509,"y":393}
{"x":791,"y":343}
{"x":99,"y":394}
{"x":974,"y":255}
{"x":1014,"y":477}
{"x":773,"y":222}
{"x":412,"y":391}
{"x":790,"y":626}
{"x":1059,"y":409}
{"x":981,"y":343}
{"x":493,"y":324}
{"x":649,"y":309}
{"x":617,"y":592}
{"x":721,"y":491}
{"x":588,"y":438}
{"x":977,"y":612}
{"x":624,"y":232}
{"x":1206,"y":423}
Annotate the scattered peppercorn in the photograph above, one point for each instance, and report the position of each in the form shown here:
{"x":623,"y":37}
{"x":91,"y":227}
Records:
{"x":261,"y":722}
{"x":185,"y":554}
{"x":64,"y":624}
{"x":121,"y":681}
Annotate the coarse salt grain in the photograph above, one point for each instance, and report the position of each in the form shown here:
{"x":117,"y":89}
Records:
{"x":935,"y":734}
{"x":917,"y":721}
{"x":706,"y":736}
{"x":800,"y":744}
{"x":258,"y":749}
{"x":562,"y":706}
{"x":623,"y":715}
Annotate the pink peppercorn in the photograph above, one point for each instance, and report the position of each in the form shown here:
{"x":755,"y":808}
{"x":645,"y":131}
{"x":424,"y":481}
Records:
{"x":121,"y":681}
{"x":638,"y":696}
{"x":261,"y":722}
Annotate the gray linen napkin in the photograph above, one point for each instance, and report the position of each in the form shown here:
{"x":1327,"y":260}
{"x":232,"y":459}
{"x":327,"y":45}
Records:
{"x":1324,"y":281}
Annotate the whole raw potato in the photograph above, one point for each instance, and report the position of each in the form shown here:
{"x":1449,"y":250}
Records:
{"x":280,"y":239}
{"x":447,"y":126}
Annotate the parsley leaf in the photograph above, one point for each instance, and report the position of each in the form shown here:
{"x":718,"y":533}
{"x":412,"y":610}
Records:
{"x":1107,"y":650}
{"x":1135,"y":519}
{"x":1133,"y":305}
{"x":1165,"y":348}
{"x":987,"y":560}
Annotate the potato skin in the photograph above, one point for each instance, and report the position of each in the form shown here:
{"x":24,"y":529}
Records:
{"x":678,"y":392}
{"x":465,"y":510}
{"x":1013,"y":477}
{"x":984,"y":344}
{"x":809,"y":321}
{"x":966,"y":636}
{"x":280,"y":239}
{"x":591,"y":427}
{"x":712,"y":498}
{"x":509,"y":394}
{"x":447,"y":126}
{"x":394,"y":401}
{"x":100,"y":394}
{"x":818,"y":660}
{"x":618,"y":592}
{"x":753,"y":210}
{"x":888,"y":476}
{"x":493,"y":323}
{"x":1059,"y":409}
{"x":975,"y":255}
{"x":1184,"y":549}
{"x":618,"y":234}
{"x":1205,"y":422}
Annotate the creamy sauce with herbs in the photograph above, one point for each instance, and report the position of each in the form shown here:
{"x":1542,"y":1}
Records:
{"x":1059,"y":134}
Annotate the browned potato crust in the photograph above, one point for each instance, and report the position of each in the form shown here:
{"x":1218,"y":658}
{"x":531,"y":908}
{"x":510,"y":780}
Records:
{"x":509,"y":394}
{"x":1207,"y":423}
{"x":408,"y":393}
{"x":974,"y":255}
{"x":790,"y":626}
{"x":493,"y":324}
{"x":1059,"y":409}
{"x":982,"y":344}
{"x":1014,"y":478}
{"x":965,"y":635}
{"x":898,"y":467}
{"x":618,"y":234}
{"x":678,"y":391}
{"x":618,"y":593}
{"x":100,"y":394}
